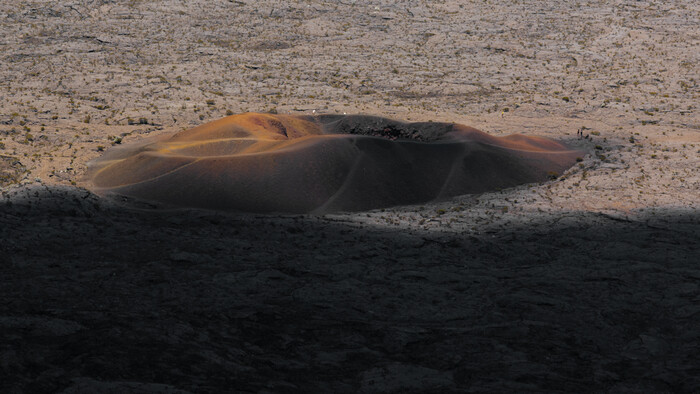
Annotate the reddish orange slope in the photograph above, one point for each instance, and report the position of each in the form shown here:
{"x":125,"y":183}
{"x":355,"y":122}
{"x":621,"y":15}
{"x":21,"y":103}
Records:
{"x":299,"y":164}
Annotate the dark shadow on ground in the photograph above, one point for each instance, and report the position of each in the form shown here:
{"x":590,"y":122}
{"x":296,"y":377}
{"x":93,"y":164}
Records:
{"x":95,"y":297}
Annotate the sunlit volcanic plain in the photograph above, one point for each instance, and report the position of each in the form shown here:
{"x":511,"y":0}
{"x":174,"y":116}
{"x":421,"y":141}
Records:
{"x":256,"y":162}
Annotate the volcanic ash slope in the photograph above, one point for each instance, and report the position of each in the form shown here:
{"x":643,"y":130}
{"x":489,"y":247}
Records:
{"x":316,"y":164}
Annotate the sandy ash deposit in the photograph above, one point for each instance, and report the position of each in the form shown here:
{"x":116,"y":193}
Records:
{"x":261,"y":163}
{"x":585,"y":280}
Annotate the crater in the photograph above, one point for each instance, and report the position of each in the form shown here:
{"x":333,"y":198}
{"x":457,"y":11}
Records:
{"x":256,"y":162}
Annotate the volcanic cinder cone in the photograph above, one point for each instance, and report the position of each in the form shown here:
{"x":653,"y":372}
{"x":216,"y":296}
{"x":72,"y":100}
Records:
{"x":315,"y":164}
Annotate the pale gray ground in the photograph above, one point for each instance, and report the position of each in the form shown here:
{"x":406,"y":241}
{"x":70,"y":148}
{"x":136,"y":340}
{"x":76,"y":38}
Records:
{"x":586,"y":283}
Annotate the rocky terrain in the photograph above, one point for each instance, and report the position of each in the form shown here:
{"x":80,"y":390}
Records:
{"x":584,"y":283}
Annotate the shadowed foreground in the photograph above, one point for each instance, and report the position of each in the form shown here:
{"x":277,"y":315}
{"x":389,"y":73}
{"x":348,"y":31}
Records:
{"x":96,"y":297}
{"x":298,"y":164}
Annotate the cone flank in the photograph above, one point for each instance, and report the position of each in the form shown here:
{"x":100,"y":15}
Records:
{"x":300,"y":164}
